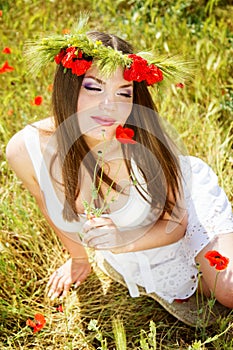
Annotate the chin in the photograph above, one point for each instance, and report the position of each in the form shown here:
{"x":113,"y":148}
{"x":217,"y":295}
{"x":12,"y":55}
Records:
{"x":102,"y":133}
{"x":94,"y":139}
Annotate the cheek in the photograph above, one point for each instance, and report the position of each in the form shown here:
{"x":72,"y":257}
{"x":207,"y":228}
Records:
{"x":83,"y":103}
{"x":126,"y":109}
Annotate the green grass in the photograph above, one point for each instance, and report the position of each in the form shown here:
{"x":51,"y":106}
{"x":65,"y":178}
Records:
{"x":100,"y":313}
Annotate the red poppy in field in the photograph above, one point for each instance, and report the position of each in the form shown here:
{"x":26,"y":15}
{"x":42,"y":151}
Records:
{"x":0,"y":13}
{"x":217,"y":260}
{"x":50,"y":87}
{"x":37,"y":324}
{"x":10,"y":111}
{"x":6,"y":68}
{"x":59,"y":308}
{"x":65,"y":31}
{"x":6,"y":50}
{"x":125,"y":135}
{"x":180,"y":85}
{"x":37,"y":101}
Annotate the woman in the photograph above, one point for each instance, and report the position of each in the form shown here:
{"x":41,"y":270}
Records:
{"x":103,"y":167}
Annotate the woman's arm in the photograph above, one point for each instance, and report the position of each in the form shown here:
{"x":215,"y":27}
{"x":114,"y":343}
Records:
{"x":165,"y":231}
{"x":77,"y":268}
{"x":101,"y":233}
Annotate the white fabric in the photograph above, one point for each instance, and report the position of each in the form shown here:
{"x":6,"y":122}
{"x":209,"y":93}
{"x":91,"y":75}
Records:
{"x":169,"y":271}
{"x":54,"y":206}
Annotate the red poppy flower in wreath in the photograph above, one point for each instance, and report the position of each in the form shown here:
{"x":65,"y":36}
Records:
{"x":69,"y":58}
{"x":139,"y":70}
{"x":80,"y":66}
{"x":58,"y":58}
{"x":216,"y":259}
{"x":153,"y":75}
{"x":6,"y":68}
{"x":125,"y":135}
{"x":37,"y":324}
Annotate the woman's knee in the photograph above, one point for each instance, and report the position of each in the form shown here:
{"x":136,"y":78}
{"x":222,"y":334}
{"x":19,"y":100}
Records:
{"x":224,"y":295}
{"x":218,"y":282}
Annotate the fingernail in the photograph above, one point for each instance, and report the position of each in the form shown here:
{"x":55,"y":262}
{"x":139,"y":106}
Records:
{"x":54,"y":296}
{"x":77,"y":284}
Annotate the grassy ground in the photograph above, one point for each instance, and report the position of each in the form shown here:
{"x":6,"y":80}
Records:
{"x":100,"y":314}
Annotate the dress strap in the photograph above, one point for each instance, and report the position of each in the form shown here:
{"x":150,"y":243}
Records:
{"x":32,"y":143}
{"x":53,"y":204}
{"x":121,"y":268}
{"x":146,"y":273}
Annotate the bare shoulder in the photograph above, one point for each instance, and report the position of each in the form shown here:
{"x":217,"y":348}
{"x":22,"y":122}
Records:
{"x":46,"y":124}
{"x":16,"y":151}
{"x":19,"y":159}
{"x":20,"y":162}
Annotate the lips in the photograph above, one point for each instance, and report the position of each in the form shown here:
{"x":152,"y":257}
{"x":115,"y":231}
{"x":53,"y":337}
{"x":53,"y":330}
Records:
{"x":105,"y":121}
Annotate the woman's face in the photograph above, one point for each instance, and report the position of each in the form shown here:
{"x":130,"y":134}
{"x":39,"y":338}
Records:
{"x":103,"y":104}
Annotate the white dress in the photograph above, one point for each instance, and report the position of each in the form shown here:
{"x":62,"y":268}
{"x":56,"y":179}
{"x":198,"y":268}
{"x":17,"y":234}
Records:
{"x":169,"y":271}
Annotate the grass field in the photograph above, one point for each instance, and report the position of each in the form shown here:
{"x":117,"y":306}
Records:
{"x":100,"y":314}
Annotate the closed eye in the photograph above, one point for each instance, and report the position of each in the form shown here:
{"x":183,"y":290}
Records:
{"x":125,"y":95}
{"x":92,"y":88}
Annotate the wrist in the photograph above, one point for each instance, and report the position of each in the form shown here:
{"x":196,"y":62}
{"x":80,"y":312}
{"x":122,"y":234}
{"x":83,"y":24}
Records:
{"x":80,"y":258}
{"x":78,"y":253}
{"x":124,"y":249}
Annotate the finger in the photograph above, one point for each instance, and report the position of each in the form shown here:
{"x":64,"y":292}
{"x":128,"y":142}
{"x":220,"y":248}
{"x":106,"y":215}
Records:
{"x":58,"y":290}
{"x":56,"y":275}
{"x":81,"y":278}
{"x":98,"y":242}
{"x":66,"y":289}
{"x":99,"y":231}
{"x":101,"y":221}
{"x":88,"y":227}
{"x":51,"y":279}
{"x":96,"y":222}
{"x":94,"y":235}
{"x":54,"y":283}
{"x":106,"y":246}
{"x":52,"y":290}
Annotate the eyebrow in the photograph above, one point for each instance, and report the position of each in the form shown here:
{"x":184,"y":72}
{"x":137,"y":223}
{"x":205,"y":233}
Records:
{"x":102,"y":82}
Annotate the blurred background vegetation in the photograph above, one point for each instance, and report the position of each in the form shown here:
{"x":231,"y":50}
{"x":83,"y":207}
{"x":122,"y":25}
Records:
{"x":202,"y":114}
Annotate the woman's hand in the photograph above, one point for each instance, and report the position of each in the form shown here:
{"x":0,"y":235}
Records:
{"x":102,"y":233}
{"x":73,"y":271}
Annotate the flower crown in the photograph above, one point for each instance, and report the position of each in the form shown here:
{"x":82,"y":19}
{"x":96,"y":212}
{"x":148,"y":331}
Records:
{"x":76,"y":51}
{"x":137,"y":69}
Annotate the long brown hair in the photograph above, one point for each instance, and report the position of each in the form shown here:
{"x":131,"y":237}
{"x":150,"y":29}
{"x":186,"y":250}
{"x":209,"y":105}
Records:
{"x":160,"y":170}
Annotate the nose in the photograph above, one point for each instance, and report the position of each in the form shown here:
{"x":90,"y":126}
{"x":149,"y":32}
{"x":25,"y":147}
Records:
{"x":108,"y":104}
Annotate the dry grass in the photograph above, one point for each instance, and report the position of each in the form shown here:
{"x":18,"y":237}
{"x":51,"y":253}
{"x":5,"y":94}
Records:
{"x":100,"y":312}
